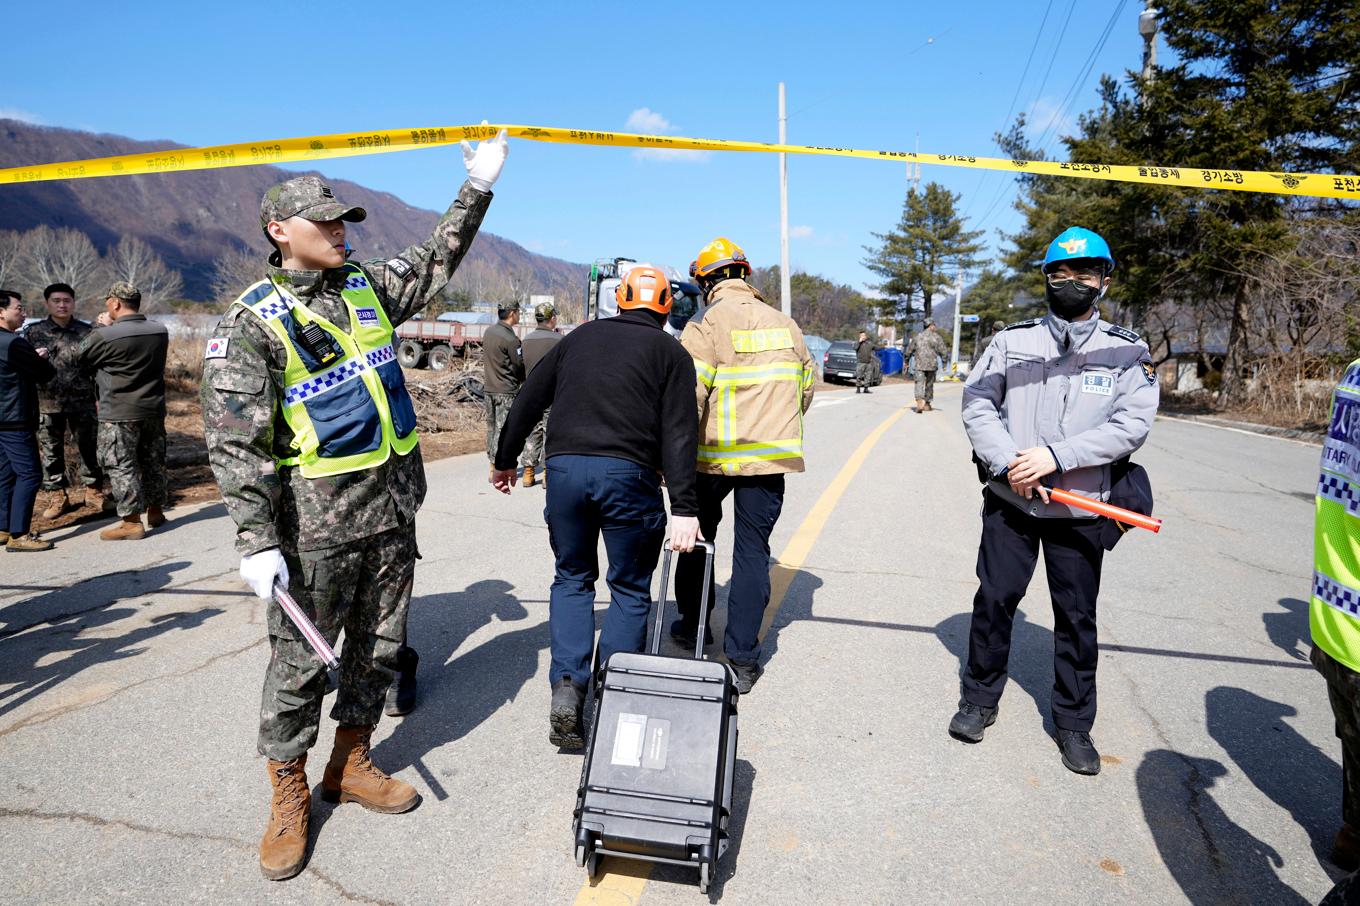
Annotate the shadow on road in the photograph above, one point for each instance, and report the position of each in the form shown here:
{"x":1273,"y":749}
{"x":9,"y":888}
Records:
{"x":50,"y":638}
{"x":1289,"y":631}
{"x":1210,"y":856}
{"x":1295,"y":774}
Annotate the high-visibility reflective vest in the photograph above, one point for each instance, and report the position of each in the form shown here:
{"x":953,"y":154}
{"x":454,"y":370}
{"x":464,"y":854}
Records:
{"x":1334,"y":608}
{"x":344,"y":394}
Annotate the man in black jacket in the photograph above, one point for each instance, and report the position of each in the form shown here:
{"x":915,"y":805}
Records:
{"x":623,"y":415}
{"x":22,"y":368}
{"x":127,"y":355}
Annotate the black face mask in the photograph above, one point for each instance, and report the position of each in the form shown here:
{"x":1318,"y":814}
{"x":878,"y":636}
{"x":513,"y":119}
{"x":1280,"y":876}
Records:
{"x":1072,"y":299}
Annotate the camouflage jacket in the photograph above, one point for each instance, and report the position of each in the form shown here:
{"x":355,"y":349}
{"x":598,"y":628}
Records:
{"x":928,"y":347}
{"x":246,"y":433}
{"x":72,"y":390}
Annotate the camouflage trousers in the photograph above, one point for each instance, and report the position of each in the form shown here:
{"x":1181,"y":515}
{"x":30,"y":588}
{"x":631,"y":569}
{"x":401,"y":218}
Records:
{"x":497,"y":411}
{"x":363,"y":587}
{"x":533,"y":447}
{"x":133,"y":456}
{"x":864,"y":373}
{"x":52,"y":430}
{"x":1343,"y":688}
{"x":925,"y":384}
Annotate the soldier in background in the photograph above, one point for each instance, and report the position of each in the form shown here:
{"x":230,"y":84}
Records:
{"x":65,"y":404}
{"x":536,"y":346}
{"x":332,"y":518}
{"x":502,"y":376}
{"x":127,"y":355}
{"x":928,"y":348}
{"x":864,"y":362}
{"x":984,"y":342}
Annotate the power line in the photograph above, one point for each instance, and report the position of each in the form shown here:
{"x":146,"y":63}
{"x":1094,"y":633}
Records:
{"x":1081,"y":78}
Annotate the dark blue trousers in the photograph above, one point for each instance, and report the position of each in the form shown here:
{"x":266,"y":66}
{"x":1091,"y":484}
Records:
{"x":1006,"y":559}
{"x":590,"y":496}
{"x":20,"y":477}
{"x":757,"y":501}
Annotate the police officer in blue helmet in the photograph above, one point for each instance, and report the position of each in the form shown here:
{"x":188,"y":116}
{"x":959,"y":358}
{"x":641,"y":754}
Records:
{"x":1056,"y":402}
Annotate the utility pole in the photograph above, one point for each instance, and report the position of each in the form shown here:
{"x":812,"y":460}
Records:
{"x":1147,"y":27}
{"x":958,"y":321}
{"x":785,"y":290}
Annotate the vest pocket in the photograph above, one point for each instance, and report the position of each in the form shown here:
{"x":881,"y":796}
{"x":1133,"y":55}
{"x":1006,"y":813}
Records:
{"x":398,"y":400}
{"x":346,"y":420}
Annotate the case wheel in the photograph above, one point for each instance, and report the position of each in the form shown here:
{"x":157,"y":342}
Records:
{"x":593,"y":864}
{"x":705,"y":877}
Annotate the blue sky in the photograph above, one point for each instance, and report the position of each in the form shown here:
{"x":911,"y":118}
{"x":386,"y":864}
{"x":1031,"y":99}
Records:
{"x":864,"y":75}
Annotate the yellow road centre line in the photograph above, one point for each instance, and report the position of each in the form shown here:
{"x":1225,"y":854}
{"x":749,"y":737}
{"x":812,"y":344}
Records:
{"x":622,"y":882}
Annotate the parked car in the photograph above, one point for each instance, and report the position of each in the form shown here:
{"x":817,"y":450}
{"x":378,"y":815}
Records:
{"x":839,"y":363}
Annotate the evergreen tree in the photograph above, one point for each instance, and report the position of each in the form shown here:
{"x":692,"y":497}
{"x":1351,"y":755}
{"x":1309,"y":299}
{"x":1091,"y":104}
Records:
{"x":924,"y":253}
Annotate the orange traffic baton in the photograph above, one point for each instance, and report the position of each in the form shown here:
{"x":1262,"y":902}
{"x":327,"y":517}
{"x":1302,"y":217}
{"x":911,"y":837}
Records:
{"x":1117,"y":513}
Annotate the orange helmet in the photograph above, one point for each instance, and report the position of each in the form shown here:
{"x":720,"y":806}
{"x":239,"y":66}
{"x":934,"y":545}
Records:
{"x":645,"y":286}
{"x":715,"y":256}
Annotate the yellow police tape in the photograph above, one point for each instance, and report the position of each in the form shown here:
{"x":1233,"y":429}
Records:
{"x":351,"y":144}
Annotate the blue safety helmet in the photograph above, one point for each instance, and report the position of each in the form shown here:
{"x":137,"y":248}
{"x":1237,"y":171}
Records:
{"x":1078,"y":242}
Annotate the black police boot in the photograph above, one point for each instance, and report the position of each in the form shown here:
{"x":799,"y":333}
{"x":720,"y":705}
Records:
{"x":747,"y":674}
{"x":971,"y":721}
{"x":401,"y":695}
{"x":1079,"y":754}
{"x":686,"y":634}
{"x":564,"y":718}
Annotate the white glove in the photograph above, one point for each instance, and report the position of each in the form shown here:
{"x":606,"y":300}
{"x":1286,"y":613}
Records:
{"x":484,"y":164}
{"x":259,"y":571}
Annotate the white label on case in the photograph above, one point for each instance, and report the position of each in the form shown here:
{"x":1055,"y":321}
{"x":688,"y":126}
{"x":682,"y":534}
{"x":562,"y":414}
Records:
{"x":628,"y":733}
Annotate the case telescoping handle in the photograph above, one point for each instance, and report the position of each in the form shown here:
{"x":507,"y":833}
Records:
{"x":708,"y":549}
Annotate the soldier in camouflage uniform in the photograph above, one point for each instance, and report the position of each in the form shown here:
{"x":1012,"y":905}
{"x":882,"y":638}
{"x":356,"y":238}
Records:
{"x":344,"y":543}
{"x":535,"y":347}
{"x":502,"y":376}
{"x":928,"y":347}
{"x":66,"y":403}
{"x":126,"y":352}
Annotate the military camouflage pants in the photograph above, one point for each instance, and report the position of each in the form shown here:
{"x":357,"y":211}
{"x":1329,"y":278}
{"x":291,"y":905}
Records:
{"x":864,"y":373}
{"x":363,"y":587}
{"x":1343,"y":688}
{"x":133,"y":456}
{"x":52,"y":429}
{"x":533,"y":447}
{"x":925,"y":384}
{"x":497,"y":411}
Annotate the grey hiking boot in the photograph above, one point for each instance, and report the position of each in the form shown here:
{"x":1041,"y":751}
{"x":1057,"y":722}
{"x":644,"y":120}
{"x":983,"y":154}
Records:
{"x":971,"y":721}
{"x":564,"y":718}
{"x":1079,"y":754}
{"x":747,"y":674}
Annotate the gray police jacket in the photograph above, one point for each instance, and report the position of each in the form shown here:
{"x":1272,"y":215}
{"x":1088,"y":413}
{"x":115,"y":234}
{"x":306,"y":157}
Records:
{"x":1086,"y":389}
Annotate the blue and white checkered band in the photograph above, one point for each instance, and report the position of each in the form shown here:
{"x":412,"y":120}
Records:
{"x":1335,"y":594}
{"x":1334,"y":487}
{"x":377,"y":357}
{"x":1352,"y":379}
{"x":347,"y":370}
{"x":356,"y":282}
{"x":273,"y":307}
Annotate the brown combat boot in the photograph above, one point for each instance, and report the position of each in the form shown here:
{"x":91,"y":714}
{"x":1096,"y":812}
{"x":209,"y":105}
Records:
{"x":4,"y":537}
{"x":155,"y":518}
{"x":528,"y":476}
{"x":1346,"y":849}
{"x":130,"y":529}
{"x":283,"y":851}
{"x":26,"y":544}
{"x":928,"y":407}
{"x":352,"y":777}
{"x":919,"y":407}
{"x":57,"y":503}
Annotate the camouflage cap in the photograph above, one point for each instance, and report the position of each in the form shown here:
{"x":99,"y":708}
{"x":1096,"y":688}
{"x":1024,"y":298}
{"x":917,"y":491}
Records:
{"x":125,"y":291}
{"x":308,"y":197}
{"x":544,"y":312}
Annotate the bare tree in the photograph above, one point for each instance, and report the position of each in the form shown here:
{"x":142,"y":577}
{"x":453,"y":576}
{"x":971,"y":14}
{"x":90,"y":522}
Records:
{"x":9,"y":258}
{"x":48,"y":255}
{"x":234,"y":272}
{"x":137,"y":263}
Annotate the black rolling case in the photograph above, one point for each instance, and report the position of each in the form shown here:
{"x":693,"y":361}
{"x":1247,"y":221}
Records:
{"x":661,"y":755}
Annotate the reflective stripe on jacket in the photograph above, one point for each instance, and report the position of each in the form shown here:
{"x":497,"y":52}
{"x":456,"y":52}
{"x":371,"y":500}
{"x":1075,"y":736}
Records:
{"x":755,"y":381}
{"x":344,"y":398}
{"x":1334,"y":605}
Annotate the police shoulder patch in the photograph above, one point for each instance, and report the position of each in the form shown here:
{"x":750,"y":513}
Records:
{"x":401,"y":267}
{"x":1122,"y":332}
{"x":1032,"y":322}
{"x":1149,"y":372}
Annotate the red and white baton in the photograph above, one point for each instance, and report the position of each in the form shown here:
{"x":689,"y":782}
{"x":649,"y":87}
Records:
{"x":305,"y":626}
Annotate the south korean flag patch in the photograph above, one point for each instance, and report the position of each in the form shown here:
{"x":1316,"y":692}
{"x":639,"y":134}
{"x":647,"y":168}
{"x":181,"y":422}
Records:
{"x":217,"y":348}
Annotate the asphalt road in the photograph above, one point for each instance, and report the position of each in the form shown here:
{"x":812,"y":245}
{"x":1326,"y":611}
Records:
{"x":130,"y":678}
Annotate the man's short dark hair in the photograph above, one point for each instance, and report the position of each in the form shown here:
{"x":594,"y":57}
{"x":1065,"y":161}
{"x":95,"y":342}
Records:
{"x":58,"y":288}
{"x":504,"y":312}
{"x":6,"y":295}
